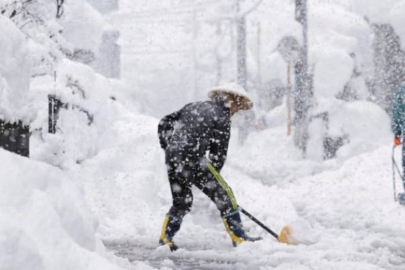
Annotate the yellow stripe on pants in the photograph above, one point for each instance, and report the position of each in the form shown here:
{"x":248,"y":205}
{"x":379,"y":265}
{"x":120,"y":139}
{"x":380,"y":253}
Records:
{"x":224,"y":185}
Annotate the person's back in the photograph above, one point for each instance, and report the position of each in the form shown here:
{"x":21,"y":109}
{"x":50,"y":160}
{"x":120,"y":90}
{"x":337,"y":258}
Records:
{"x":199,"y":124}
{"x":197,"y":128}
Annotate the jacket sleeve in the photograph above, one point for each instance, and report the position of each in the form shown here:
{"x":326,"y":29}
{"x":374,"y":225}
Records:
{"x":219,"y":144}
{"x":398,"y":113}
{"x":166,"y":128}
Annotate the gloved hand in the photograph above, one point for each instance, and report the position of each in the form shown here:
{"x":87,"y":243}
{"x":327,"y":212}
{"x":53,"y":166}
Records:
{"x":397,"y":141}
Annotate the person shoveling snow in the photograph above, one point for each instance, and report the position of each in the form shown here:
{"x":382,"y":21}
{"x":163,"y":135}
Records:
{"x":186,"y":135}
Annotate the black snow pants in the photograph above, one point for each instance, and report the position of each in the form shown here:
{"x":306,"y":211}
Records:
{"x":184,"y":170}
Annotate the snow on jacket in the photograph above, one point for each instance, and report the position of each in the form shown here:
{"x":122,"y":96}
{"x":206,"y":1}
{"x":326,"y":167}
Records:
{"x":398,"y":121}
{"x":197,"y":128}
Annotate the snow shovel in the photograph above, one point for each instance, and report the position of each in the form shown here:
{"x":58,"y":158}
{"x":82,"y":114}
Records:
{"x":283,"y":237}
{"x":401,"y":196}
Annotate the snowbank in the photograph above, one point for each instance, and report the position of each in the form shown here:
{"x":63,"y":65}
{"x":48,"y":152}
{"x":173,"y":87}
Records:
{"x":45,"y":223}
{"x":83,"y":128}
{"x":122,"y":181}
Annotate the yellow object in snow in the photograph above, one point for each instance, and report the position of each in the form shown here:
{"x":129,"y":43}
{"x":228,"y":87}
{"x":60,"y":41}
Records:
{"x":284,"y":236}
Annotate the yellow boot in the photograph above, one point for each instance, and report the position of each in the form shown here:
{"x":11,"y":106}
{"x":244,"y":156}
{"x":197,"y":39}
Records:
{"x":234,"y":227}
{"x":171,"y":226}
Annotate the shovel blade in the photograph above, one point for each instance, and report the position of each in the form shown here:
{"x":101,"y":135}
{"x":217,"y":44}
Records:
{"x":284,"y":236}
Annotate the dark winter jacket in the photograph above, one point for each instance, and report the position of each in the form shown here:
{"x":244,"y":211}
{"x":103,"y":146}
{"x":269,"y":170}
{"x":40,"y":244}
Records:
{"x":398,"y":115}
{"x":197,"y":128}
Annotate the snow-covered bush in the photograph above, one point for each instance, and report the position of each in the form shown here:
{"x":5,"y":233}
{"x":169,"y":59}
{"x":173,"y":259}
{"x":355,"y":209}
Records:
{"x":83,"y":124}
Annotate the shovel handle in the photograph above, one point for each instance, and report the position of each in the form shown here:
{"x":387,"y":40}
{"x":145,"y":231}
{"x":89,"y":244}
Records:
{"x":258,"y":222}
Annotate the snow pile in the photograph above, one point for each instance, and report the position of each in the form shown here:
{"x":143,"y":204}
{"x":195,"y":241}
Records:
{"x":84,"y":124}
{"x":58,"y":70}
{"x":123,"y":179}
{"x":45,"y":223}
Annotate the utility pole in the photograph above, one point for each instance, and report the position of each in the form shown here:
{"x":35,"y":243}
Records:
{"x":302,"y":90}
{"x":241,"y":46}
